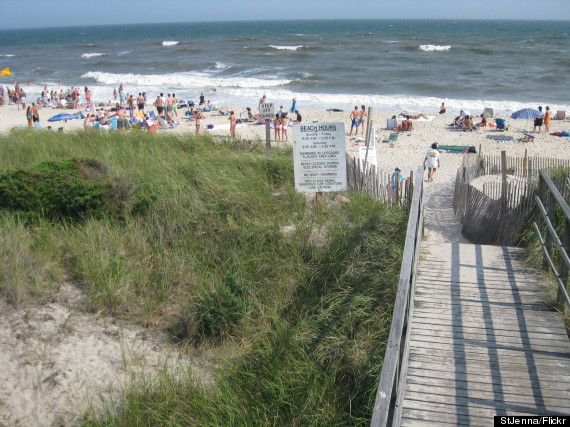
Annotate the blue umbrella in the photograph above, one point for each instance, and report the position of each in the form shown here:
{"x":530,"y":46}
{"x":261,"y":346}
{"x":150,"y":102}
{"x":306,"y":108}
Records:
{"x":62,"y":116}
{"x":526,"y":113}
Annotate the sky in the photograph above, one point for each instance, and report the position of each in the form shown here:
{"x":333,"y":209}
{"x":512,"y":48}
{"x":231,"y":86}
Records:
{"x":58,"y":13}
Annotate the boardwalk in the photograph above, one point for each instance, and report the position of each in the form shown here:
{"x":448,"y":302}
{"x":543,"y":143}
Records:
{"x":482,"y":341}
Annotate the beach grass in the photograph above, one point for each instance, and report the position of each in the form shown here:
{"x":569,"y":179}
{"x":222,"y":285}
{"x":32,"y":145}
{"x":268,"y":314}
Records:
{"x":211,"y":231}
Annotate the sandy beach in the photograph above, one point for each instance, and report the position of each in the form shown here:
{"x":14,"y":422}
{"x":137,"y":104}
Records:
{"x":44,"y":381}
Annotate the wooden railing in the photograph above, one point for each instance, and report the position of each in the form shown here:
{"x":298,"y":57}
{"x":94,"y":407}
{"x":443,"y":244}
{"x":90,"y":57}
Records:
{"x":548,"y":198}
{"x":387,"y":407}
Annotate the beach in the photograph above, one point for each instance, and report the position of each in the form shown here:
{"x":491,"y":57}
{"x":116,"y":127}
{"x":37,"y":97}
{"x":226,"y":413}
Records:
{"x":407,"y":152}
{"x":56,"y":357}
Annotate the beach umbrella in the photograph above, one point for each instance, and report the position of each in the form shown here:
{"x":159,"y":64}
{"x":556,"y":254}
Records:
{"x":526,"y":113}
{"x":62,"y":116}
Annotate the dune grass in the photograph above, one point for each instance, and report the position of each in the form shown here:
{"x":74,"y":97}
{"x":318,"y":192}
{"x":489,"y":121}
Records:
{"x":213,"y":230}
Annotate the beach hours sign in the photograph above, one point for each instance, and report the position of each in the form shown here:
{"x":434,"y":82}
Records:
{"x":319,"y":157}
{"x":267,"y":111}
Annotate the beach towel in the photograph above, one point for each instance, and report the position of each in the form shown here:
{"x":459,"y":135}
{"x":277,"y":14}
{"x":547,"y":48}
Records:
{"x":500,"y":137}
{"x":453,"y":148}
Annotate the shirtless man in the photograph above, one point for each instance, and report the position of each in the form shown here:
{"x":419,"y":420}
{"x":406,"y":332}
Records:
{"x":35,"y":113}
{"x":140,"y":102}
{"x":354,"y":120}
{"x":159,"y":106}
{"x":120,"y":119}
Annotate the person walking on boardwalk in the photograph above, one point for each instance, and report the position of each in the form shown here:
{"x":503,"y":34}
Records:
{"x":432,"y":161}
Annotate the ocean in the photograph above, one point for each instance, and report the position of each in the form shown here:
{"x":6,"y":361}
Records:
{"x":392,"y":65}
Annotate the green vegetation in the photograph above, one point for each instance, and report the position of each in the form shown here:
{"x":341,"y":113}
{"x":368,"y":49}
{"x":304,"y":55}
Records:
{"x":529,"y":240}
{"x":213,"y":245}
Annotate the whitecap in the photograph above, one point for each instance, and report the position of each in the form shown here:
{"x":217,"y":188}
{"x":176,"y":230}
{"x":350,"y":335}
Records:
{"x":286,"y":47}
{"x":432,"y":47}
{"x":91,"y":55}
{"x":8,"y":55}
{"x":169,"y":43}
{"x":183,"y":80}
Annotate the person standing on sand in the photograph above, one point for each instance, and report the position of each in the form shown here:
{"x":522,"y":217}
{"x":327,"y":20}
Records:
{"x":547,"y":119}
{"x":538,"y":121}
{"x":284,"y":124}
{"x":294,"y":105}
{"x":29,"y":116}
{"x":362,"y":117}
{"x":35,"y":113}
{"x":277,"y":127}
{"x":432,"y":160}
{"x":354,"y":120}
{"x":159,"y":106}
{"x":232,"y":120}
{"x":140,"y":102}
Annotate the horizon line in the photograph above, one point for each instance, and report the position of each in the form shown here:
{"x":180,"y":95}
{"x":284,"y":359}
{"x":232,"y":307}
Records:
{"x":294,"y":20}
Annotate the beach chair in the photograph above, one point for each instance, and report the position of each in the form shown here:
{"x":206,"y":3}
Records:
{"x":162,"y":123}
{"x":560,"y":115}
{"x":501,"y":125}
{"x":391,"y":124}
{"x":392,"y":138}
{"x":488,"y":112}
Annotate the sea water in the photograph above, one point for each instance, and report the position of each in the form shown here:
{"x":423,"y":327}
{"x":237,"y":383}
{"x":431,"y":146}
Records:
{"x":393,"y":65}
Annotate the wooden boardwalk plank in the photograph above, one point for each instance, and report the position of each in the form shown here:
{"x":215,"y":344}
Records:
{"x":483,"y":341}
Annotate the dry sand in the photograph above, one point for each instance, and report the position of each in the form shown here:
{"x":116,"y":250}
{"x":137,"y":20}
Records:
{"x":52,"y":355}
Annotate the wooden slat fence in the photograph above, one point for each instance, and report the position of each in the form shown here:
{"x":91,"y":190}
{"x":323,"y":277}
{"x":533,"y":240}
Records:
{"x":489,"y":214}
{"x":521,"y":166}
{"x":377,"y":184}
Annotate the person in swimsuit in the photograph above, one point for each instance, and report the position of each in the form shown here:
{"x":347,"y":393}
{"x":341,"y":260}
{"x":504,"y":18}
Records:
{"x":232,"y":120}
{"x":120,"y":119}
{"x":547,"y":119}
{"x":362,"y":117}
{"x":442,"y":108}
{"x":277,"y":127}
{"x":29,"y":116}
{"x":35,"y":113}
{"x":175,"y":105}
{"x":355,"y":121}
{"x":159,"y":106}
{"x":140,"y":102}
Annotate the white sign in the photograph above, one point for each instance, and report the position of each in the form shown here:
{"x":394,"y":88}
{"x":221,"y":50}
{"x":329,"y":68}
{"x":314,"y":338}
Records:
{"x":319,"y":157}
{"x":266,"y":111}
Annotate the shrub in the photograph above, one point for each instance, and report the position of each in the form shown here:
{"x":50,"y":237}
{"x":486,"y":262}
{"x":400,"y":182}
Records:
{"x":66,"y":189}
{"x":219,"y":312}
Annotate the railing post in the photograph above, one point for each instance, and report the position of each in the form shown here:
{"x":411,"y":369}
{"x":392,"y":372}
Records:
{"x":550,"y":213}
{"x":563,"y":267}
{"x":541,"y":191}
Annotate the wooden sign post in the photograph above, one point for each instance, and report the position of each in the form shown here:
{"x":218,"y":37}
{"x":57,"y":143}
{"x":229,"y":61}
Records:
{"x":267,"y":112}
